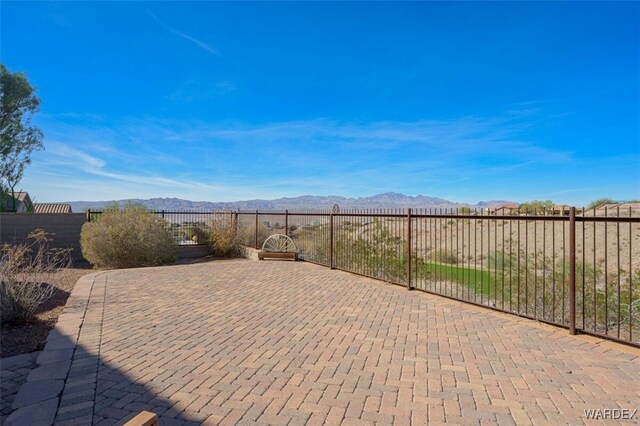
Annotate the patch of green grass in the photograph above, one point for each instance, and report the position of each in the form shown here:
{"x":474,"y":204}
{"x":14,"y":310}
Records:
{"x":481,"y":281}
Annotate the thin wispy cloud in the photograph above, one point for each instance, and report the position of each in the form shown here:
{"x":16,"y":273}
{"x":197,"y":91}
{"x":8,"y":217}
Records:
{"x":221,"y":160}
{"x":68,"y":166}
{"x":463,"y":137}
{"x":185,"y":36}
{"x":60,"y":154}
{"x":193,"y":90}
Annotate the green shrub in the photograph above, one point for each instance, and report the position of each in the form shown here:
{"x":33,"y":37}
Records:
{"x":500,"y":260}
{"x":376,"y":252}
{"x":597,"y":203}
{"x":25,"y":270}
{"x":444,"y":256}
{"x":127,"y":239}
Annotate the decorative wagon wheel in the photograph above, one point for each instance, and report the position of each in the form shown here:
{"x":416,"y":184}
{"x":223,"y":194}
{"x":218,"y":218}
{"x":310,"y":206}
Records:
{"x":279,"y":243}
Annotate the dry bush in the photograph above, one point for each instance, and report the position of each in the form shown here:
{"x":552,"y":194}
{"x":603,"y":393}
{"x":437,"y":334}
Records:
{"x":199,"y":234}
{"x":223,"y":236}
{"x":127,"y":239}
{"x":444,"y":256}
{"x":25,"y":270}
{"x":247,"y":235}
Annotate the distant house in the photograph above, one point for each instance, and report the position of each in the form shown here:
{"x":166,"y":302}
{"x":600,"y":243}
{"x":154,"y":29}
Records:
{"x":51,"y":208}
{"x":506,"y":210}
{"x":19,"y":203}
{"x":560,"y":210}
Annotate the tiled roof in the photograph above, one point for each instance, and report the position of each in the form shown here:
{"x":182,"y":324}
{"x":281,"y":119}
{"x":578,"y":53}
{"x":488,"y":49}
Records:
{"x":51,"y":208}
{"x":22,"y":201}
{"x":21,"y":196}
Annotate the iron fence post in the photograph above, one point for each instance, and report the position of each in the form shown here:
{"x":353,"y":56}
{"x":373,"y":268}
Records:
{"x":409,"y":250}
{"x":572,"y":271}
{"x":331,"y":241}
{"x":235,"y":225}
{"x":256,"y":233}
{"x":88,"y":215}
{"x":286,"y":223}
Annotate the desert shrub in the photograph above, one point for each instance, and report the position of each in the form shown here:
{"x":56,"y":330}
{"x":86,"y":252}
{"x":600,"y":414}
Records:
{"x":535,"y":207}
{"x":444,"y":256}
{"x":200,"y":234}
{"x":375,"y":252}
{"x":246,"y":234}
{"x":500,"y":259}
{"x":538,"y":285}
{"x":25,"y":270}
{"x":222,"y":236}
{"x":127,"y":239}
{"x":312,"y":244}
{"x":597,"y":203}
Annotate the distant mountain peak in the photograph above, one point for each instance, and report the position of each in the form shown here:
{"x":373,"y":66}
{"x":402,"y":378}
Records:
{"x":379,"y":201}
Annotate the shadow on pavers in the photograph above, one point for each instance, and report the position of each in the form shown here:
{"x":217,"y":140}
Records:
{"x":27,"y":337}
{"x":85,"y":391}
{"x":72,"y":385}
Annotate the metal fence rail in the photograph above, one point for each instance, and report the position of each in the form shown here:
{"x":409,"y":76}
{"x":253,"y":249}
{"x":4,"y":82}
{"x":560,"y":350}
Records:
{"x":579,"y":271}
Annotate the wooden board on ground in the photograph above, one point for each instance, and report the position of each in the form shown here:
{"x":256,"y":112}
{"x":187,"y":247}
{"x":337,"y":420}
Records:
{"x":145,"y":418}
{"x":275,"y":255}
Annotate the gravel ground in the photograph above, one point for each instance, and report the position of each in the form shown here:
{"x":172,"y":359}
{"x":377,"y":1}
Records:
{"x":31,"y":336}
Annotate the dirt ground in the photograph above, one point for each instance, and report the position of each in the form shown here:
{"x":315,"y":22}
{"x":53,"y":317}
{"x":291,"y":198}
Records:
{"x":31,"y":336}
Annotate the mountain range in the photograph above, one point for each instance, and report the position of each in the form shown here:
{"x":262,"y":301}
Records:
{"x":389,"y":200}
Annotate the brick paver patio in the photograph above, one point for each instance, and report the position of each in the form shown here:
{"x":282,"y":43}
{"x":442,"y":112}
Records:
{"x":293,"y":343}
{"x":13,"y":374}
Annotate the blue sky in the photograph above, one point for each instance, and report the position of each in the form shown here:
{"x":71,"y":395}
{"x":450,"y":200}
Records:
{"x":228,"y":101}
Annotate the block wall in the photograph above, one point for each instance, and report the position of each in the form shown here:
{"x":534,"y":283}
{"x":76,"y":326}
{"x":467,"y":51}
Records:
{"x":14,"y":227}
